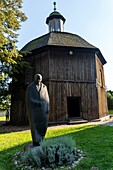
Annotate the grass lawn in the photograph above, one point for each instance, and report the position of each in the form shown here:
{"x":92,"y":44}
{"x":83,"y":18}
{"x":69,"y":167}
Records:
{"x":110,"y":111}
{"x":95,"y":141}
{"x":2,"y":118}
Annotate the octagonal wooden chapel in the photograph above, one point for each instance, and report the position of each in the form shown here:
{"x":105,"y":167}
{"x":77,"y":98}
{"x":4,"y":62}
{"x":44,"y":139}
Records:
{"x":71,"y":68}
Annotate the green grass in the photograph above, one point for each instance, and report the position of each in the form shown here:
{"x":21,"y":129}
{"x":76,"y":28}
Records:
{"x":2,"y":118}
{"x":110,"y":111}
{"x":95,"y":141}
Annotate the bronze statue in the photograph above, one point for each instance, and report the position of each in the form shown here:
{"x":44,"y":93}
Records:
{"x":37,"y":103}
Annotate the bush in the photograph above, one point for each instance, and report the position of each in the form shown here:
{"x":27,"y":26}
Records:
{"x":52,"y":153}
{"x":110,"y":99}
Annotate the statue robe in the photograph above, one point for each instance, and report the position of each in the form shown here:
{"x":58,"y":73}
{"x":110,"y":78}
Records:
{"x":37,"y":103}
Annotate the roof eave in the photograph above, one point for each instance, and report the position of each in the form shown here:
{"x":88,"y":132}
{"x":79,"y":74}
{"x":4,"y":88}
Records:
{"x":100,"y":56}
{"x":55,"y":17}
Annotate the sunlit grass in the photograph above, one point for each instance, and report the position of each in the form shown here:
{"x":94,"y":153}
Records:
{"x":2,"y":118}
{"x":10,"y":143}
{"x":13,"y":139}
{"x":66,"y":130}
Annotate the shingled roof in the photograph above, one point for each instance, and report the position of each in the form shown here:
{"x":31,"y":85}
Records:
{"x":60,"y":39}
{"x":57,"y":39}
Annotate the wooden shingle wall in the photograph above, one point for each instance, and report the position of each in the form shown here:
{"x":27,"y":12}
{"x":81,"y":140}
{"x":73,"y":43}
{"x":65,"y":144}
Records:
{"x":102,"y":100}
{"x":67,"y":72}
{"x":72,"y":75}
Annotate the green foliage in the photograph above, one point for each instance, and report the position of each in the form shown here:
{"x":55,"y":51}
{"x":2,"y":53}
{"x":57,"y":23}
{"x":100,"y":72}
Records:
{"x":110,"y":111}
{"x":11,"y":60}
{"x":5,"y":102}
{"x":52,"y":153}
{"x":10,"y":18}
{"x":19,"y":68}
{"x":110,"y":99}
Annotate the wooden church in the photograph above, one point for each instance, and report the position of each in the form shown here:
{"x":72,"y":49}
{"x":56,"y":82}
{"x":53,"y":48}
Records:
{"x":71,"y":68}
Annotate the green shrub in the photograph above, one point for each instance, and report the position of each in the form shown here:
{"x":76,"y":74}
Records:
{"x":52,"y":153}
{"x":110,"y":99}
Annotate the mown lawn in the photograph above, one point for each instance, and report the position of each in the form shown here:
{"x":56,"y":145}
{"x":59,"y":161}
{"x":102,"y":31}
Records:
{"x":95,"y":141}
{"x":2,"y":118}
{"x":110,"y":111}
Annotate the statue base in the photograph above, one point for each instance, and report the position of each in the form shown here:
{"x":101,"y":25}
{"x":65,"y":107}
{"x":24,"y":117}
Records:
{"x":29,"y":146}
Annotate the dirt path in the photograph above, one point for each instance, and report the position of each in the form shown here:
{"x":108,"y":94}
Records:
{"x":104,"y":121}
{"x":8,"y":128}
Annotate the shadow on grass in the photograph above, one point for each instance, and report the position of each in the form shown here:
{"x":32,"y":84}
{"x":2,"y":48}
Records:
{"x":7,"y":128}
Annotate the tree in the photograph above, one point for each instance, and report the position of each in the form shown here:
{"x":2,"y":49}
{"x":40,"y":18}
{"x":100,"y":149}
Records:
{"x":110,"y":99}
{"x":11,"y":17}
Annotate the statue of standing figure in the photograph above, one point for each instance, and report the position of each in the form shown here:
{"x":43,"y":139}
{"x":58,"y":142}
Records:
{"x":37,"y":104}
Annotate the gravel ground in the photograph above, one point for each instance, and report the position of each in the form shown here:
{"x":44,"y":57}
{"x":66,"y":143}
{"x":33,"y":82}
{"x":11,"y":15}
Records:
{"x":107,"y":121}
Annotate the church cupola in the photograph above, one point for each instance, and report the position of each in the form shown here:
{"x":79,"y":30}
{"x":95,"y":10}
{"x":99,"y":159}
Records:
{"x":55,"y":21}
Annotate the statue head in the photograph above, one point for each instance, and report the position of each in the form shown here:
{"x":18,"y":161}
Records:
{"x":37,"y":79}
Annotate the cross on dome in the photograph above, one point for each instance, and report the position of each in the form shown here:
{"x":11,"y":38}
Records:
{"x":55,"y":21}
{"x":54,"y":3}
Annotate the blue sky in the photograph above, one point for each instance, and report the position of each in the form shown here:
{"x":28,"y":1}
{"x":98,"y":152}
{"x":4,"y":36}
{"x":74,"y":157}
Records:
{"x":90,"y":19}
